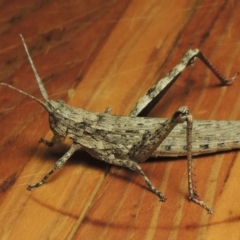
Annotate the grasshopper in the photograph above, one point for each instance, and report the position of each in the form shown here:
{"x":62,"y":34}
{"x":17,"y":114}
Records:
{"x":126,"y":141}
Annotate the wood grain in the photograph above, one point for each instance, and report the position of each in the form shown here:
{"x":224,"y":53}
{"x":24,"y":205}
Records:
{"x":98,"y":54}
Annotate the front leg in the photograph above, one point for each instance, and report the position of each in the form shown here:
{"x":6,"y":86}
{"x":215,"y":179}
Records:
{"x":56,"y":138}
{"x":47,"y":142}
{"x":57,"y":165}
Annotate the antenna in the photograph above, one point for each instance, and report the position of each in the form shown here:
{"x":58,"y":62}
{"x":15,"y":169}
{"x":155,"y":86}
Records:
{"x":29,"y":95}
{"x":39,"y":81}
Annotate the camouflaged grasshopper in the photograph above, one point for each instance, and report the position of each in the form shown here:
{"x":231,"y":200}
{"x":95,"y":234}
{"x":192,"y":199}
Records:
{"x":126,"y":141}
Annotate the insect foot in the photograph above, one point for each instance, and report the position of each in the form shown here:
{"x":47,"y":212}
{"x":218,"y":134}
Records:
{"x":194,"y":198}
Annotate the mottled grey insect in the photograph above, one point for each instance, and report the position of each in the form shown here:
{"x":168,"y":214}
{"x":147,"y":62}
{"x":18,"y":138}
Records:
{"x":126,"y":141}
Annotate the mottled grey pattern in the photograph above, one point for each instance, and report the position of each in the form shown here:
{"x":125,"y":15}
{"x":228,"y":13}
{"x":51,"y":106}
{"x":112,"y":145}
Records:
{"x":126,"y":141}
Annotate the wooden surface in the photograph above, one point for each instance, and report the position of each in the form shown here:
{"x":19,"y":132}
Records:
{"x":98,"y":54}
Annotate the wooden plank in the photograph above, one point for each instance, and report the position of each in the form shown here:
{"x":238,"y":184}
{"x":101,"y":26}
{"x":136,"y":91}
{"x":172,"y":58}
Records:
{"x":102,"y":54}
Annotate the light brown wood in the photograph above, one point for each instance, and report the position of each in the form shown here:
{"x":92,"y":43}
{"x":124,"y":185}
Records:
{"x":98,"y":54}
